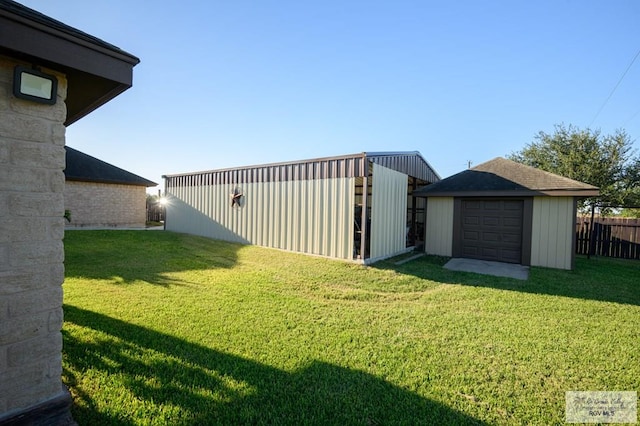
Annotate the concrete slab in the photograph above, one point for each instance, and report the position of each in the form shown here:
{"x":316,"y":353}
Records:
{"x":114,"y":228}
{"x":486,"y":267}
{"x":409,"y":259}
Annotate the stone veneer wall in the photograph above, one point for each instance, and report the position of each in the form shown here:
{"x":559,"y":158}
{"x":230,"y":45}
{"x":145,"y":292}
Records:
{"x":105,"y":204}
{"x":32,"y":158}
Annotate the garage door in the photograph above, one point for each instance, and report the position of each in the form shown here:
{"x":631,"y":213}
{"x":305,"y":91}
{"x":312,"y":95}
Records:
{"x":492,"y":230}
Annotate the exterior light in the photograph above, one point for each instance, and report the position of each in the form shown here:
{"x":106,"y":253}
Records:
{"x":34,"y":85}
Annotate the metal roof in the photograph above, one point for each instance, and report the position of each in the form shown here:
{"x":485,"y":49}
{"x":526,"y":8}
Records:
{"x":351,"y":165}
{"x":411,"y":163}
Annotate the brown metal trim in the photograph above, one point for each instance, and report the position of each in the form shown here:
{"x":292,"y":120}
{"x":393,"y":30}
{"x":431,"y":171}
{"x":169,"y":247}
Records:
{"x":317,"y":168}
{"x":410,"y":163}
{"x":359,"y":171}
{"x":456,"y":247}
{"x":527,"y":230}
{"x":352,"y":165}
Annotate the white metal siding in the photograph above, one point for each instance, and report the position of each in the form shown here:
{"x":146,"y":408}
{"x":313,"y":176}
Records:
{"x":388,"y":212}
{"x":552,"y":232}
{"x":439,"y":228}
{"x":308,"y":216}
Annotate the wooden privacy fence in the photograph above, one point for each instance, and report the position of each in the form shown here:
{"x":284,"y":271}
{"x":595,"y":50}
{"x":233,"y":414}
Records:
{"x":611,"y":237}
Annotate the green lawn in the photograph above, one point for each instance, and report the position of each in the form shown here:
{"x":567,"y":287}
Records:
{"x":164,"y":328}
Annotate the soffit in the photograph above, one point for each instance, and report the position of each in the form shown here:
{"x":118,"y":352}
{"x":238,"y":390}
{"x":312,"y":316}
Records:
{"x":96,"y":70}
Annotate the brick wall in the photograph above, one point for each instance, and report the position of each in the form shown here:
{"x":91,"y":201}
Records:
{"x":102,"y":204}
{"x":32,"y":157}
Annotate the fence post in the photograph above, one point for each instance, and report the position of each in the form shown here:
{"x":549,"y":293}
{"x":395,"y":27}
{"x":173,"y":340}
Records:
{"x":591,"y":231}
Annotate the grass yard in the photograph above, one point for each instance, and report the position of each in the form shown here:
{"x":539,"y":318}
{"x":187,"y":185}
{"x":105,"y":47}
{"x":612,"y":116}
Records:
{"x":168,"y":329}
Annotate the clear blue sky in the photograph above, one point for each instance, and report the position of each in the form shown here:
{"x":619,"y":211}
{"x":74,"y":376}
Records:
{"x":234,"y":82}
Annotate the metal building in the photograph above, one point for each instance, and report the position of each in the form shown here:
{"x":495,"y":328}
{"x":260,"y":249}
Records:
{"x":354,"y":207}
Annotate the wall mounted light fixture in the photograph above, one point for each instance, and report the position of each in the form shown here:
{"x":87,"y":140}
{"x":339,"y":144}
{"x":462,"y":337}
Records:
{"x":34,"y":85}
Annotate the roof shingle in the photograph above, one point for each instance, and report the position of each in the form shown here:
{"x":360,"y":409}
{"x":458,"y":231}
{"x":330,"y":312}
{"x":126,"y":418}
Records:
{"x":502,"y":177}
{"x":85,"y":168}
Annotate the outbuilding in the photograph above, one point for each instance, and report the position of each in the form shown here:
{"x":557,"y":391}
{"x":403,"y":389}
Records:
{"x":354,"y":207}
{"x":97,"y":193}
{"x":504,"y":211}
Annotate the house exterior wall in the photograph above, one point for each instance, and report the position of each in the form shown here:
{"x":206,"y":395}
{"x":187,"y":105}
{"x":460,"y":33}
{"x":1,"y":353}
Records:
{"x":388,"y":213}
{"x":308,"y":216}
{"x":439,"y":227}
{"x":105,"y":204}
{"x":553,"y":232}
{"x":32,"y":158}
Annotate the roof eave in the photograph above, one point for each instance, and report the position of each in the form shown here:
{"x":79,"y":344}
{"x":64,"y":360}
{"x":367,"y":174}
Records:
{"x":478,"y":194}
{"x":520,"y":193}
{"x":96,"y":71}
{"x":570,"y":192}
{"x":146,"y":184}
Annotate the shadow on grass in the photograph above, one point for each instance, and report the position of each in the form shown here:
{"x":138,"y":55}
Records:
{"x":601,"y":279}
{"x":211,"y":387}
{"x":130,"y":256}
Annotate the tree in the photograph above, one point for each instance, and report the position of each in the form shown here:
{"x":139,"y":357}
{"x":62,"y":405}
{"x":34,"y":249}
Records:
{"x":631,"y":184}
{"x":606,"y":161}
{"x":630,"y":213}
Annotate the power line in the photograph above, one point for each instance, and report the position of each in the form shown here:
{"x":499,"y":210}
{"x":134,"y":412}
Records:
{"x":630,"y":118}
{"x":614,"y":88}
